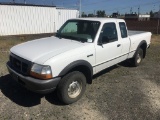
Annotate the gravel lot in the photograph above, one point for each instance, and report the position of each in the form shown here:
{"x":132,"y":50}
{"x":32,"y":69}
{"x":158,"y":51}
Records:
{"x":121,"y":92}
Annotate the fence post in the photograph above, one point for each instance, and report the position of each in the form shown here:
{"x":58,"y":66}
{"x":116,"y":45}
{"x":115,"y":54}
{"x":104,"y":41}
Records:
{"x":158,"y":27}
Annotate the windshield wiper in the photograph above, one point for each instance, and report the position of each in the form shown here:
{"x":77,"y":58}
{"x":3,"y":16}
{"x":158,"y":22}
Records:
{"x":82,"y":40}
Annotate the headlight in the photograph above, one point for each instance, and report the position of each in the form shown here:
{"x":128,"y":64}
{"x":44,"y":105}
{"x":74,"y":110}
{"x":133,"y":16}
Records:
{"x":41,"y":71}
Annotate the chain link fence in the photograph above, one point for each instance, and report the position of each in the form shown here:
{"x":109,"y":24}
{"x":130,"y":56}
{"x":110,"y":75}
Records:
{"x":151,"y":25}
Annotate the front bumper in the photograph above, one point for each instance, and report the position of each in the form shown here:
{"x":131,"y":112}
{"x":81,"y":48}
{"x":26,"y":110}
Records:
{"x":35,"y":85}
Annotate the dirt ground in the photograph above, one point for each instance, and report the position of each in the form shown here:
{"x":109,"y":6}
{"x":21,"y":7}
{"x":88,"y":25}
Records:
{"x":121,"y":92}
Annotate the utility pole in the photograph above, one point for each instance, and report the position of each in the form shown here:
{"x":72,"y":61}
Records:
{"x":80,"y":8}
{"x":158,"y":20}
{"x":131,"y":10}
{"x":138,"y":10}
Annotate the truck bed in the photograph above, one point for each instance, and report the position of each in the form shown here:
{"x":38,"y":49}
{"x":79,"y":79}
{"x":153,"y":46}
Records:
{"x":131,"y":32}
{"x":136,"y":37}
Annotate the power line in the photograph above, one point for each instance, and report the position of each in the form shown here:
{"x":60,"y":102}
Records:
{"x":84,"y":5}
{"x":122,"y":8}
{"x":99,"y":2}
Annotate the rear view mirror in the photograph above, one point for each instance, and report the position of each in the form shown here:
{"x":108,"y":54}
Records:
{"x":100,"y":42}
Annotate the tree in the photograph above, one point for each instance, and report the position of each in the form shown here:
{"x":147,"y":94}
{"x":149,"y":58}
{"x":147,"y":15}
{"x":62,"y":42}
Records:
{"x":91,"y":15}
{"x":115,"y":15}
{"x":101,"y":13}
{"x":151,"y":13}
{"x":84,"y":15}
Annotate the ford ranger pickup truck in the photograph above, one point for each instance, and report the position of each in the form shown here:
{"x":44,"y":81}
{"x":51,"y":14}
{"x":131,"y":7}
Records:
{"x":81,"y":48}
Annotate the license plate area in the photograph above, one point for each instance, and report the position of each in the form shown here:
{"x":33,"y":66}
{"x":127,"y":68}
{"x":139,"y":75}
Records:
{"x":21,"y":82}
{"x":14,"y":76}
{"x":17,"y":78}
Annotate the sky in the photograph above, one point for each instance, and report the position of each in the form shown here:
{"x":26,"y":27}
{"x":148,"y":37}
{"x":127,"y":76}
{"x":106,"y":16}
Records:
{"x":110,"y":6}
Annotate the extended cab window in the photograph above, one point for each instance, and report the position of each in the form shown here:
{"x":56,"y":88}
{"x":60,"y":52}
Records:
{"x":108,"y":33}
{"x":123,"y":29}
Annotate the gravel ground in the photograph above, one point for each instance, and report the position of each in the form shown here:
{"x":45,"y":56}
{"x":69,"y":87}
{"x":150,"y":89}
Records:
{"x":121,"y":92}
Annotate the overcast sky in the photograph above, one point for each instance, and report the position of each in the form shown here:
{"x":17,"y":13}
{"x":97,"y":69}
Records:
{"x":110,"y":6}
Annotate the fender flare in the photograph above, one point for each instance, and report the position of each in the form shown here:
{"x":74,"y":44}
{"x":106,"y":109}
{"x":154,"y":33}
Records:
{"x":142,"y":42}
{"x":76,"y":64}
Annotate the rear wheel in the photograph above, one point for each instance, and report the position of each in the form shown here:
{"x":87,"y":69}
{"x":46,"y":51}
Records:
{"x":137,"y":59}
{"x":71,"y":87}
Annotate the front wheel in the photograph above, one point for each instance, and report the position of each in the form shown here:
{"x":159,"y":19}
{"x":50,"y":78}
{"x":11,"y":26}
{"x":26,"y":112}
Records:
{"x":71,"y":87}
{"x":137,"y":59}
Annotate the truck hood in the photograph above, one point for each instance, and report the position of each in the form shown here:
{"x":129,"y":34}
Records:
{"x":41,"y":50}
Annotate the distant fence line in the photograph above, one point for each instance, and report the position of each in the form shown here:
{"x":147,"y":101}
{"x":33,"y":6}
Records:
{"x":151,"y":26}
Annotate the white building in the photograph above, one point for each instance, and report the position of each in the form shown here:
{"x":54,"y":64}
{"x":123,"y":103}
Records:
{"x":17,"y":19}
{"x":143,"y":17}
{"x":140,"y":17}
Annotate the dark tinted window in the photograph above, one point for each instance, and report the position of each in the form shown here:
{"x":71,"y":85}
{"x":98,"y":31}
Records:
{"x":123,"y":29}
{"x":108,"y":33}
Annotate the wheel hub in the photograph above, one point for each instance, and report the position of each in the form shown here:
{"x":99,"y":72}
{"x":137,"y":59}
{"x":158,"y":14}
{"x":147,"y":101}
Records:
{"x":138,"y":58}
{"x":74,"y":89}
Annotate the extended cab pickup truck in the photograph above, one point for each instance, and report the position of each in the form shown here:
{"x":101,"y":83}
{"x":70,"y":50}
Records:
{"x":81,"y":48}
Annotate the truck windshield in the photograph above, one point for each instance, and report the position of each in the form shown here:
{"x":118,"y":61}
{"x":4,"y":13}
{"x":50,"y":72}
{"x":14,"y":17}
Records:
{"x":79,"y":30}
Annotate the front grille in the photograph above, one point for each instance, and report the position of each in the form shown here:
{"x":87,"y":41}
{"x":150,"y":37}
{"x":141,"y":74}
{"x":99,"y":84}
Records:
{"x":20,"y":65}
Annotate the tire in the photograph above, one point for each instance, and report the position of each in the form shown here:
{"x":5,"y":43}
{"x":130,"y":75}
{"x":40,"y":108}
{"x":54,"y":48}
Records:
{"x":71,"y":87}
{"x":137,"y":59}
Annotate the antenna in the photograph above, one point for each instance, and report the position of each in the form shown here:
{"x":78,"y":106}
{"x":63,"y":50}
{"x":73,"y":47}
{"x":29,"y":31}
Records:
{"x":80,"y":8}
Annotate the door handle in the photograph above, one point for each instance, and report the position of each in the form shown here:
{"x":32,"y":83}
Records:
{"x":90,"y":55}
{"x":118,"y":45}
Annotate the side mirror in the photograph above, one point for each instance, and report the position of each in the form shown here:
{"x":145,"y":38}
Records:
{"x":105,"y":40}
{"x":58,"y":34}
{"x":100,"y":42}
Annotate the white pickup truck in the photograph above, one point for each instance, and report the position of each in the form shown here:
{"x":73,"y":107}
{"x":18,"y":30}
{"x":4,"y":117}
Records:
{"x":81,"y":48}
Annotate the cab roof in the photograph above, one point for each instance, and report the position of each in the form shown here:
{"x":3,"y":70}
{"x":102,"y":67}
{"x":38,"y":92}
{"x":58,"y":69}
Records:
{"x":100,"y":19}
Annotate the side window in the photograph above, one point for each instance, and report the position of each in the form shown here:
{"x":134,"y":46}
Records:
{"x":108,"y":33}
{"x":123,"y":29}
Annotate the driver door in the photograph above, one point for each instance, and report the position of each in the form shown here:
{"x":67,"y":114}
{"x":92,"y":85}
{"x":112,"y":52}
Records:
{"x":109,"y":48}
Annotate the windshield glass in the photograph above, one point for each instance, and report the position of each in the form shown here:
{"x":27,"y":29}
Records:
{"x":79,"y":30}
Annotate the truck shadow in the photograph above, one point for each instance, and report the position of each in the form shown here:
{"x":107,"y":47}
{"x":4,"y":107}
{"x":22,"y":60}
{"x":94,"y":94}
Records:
{"x":126,"y":64}
{"x":105,"y":71}
{"x":21,"y":96}
{"x":122,"y":64}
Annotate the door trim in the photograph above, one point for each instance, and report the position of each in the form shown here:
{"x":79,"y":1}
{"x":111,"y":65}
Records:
{"x":113,"y":58}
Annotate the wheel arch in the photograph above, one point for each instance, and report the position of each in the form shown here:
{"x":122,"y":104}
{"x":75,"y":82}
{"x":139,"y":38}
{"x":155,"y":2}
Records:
{"x":80,"y":65}
{"x":143,"y":46}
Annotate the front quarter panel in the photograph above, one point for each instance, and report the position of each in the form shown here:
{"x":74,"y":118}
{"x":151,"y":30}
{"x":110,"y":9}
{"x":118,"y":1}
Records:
{"x":59,"y":62}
